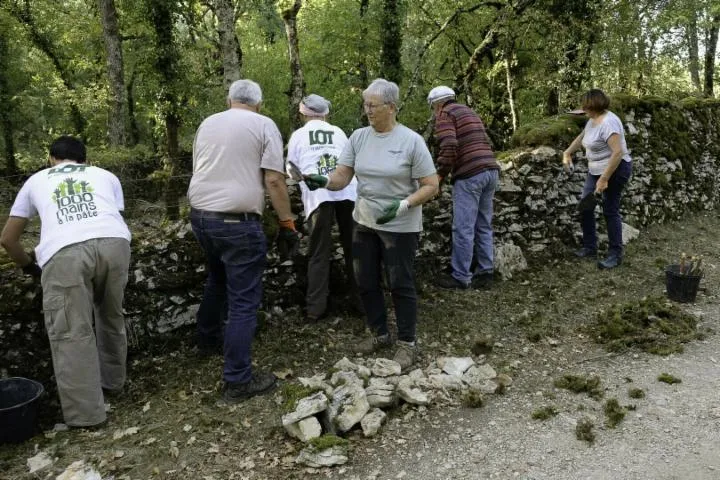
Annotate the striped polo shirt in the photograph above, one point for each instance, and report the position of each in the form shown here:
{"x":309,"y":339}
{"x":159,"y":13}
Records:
{"x":464,"y":146}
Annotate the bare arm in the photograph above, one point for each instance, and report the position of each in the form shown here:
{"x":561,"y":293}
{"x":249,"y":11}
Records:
{"x":340,"y":177}
{"x":277,"y":189}
{"x":574,"y":147}
{"x":615,"y":159}
{"x":428,"y":189}
{"x":10,"y":240}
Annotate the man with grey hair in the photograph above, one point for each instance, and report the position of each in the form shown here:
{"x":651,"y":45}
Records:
{"x":314,"y":149}
{"x":465,"y":155}
{"x":237,"y":155}
{"x":395,"y":175}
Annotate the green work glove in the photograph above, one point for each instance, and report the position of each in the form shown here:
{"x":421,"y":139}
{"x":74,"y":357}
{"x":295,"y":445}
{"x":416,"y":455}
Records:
{"x":396,"y":209}
{"x":315,"y":181}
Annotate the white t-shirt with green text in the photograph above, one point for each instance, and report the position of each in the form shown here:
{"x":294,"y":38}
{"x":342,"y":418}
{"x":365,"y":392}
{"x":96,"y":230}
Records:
{"x":314,"y":148}
{"x":76,"y":202}
{"x":387,"y":166}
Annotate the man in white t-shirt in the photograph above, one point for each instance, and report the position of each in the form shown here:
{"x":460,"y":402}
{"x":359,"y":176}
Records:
{"x":314,"y":149}
{"x":83,"y":259}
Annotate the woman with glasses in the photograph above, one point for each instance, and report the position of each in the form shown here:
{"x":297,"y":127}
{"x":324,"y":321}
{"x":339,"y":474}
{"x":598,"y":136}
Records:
{"x":395,"y":175}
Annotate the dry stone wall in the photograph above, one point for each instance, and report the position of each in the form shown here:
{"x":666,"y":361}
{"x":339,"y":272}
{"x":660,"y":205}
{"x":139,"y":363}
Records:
{"x":676,"y":152}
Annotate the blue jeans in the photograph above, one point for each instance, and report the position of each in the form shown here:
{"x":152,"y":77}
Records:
{"x":472,"y":224}
{"x":235,"y":252}
{"x":611,"y":210}
{"x":371,"y":249}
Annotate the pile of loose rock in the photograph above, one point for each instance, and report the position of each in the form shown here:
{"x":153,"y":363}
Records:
{"x":363,"y":392}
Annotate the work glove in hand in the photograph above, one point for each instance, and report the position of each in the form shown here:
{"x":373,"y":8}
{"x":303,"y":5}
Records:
{"x":288,"y":242}
{"x":315,"y":181}
{"x":396,"y":209}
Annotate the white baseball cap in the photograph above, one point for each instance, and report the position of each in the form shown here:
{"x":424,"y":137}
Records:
{"x":440,"y":93}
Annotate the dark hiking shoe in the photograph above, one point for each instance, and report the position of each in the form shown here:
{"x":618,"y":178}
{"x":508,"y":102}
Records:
{"x":611,"y":261}
{"x":405,"y":355}
{"x":483,"y":281}
{"x":585,"y":252}
{"x":450,"y":283}
{"x":372,"y":344}
{"x":260,"y":383}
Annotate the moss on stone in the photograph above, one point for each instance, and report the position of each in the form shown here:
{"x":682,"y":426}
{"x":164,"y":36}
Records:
{"x":292,"y":393}
{"x":584,"y":430}
{"x":614,"y":413}
{"x":327,"y":441}
{"x":545,"y":412}
{"x":556,"y":131}
{"x":636,"y":393}
{"x":581,"y":384}
{"x":669,"y":379}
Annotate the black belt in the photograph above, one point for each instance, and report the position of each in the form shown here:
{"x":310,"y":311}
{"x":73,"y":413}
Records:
{"x":243,"y":217}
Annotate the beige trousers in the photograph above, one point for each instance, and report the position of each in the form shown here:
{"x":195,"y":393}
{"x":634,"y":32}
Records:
{"x":83,"y":286}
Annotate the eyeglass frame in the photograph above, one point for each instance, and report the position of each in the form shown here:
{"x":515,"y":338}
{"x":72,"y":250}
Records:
{"x":369,"y":107}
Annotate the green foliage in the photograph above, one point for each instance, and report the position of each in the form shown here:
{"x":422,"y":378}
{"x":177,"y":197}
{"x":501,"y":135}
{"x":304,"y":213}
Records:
{"x":292,"y":393}
{"x":614,"y":413}
{"x":473,"y":399}
{"x":636,"y":393}
{"x":545,"y":412}
{"x":652,"y":324}
{"x":559,"y":130}
{"x":328,"y":441}
{"x":581,"y":384}
{"x":584,"y":430}
{"x":669,"y":379}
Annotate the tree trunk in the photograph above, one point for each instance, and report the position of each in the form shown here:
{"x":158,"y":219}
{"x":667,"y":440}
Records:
{"x":552,"y":104}
{"x":363,"y":77}
{"x":391,"y":58}
{"x":710,"y":50}
{"x":297,"y":82}
{"x":134,"y":138}
{"x":117,"y":117}
{"x":6,"y":107}
{"x":229,"y":44}
{"x":44,"y":43}
{"x":694,"y":59}
{"x":511,"y":94}
{"x":166,"y":62}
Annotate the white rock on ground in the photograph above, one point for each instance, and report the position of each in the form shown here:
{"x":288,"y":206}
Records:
{"x":39,"y":461}
{"x":306,"y":407}
{"x":479,"y":374}
{"x":348,"y":406}
{"x":384,"y":367}
{"x":345,"y":378}
{"x":316,"y":382}
{"x":629,"y":233}
{"x":79,"y":471}
{"x":455,"y":365}
{"x":304,"y":430}
{"x":380,"y":394}
{"x":372,"y":422}
{"x":345,"y":364}
{"x":447,"y":382}
{"x":508,"y":260}
{"x":325,"y":458}
{"x":408,"y":392}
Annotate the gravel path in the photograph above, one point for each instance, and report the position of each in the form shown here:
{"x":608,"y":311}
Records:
{"x":674,"y":433}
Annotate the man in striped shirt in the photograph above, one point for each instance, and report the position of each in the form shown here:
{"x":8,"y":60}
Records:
{"x":465,"y":155}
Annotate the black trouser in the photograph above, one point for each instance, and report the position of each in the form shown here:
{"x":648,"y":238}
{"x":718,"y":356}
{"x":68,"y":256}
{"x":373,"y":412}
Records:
{"x":396,"y":251}
{"x":320,"y":252}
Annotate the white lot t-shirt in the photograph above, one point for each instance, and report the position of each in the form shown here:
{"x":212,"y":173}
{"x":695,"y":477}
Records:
{"x":315,"y":148}
{"x":75,"y":202}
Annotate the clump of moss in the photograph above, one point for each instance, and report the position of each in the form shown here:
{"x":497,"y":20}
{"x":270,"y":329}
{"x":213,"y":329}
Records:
{"x":669,"y":379}
{"x":327,"y":441}
{"x":653,"y":325}
{"x":292,"y":393}
{"x":581,"y":384}
{"x":482,"y":345}
{"x":557,"y":130}
{"x":636,"y":393}
{"x":545,"y":412}
{"x":473,"y":399}
{"x":584,"y":430}
{"x":614,"y":413}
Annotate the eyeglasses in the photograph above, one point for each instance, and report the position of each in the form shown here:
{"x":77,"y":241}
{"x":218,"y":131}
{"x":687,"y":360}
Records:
{"x":370,"y":107}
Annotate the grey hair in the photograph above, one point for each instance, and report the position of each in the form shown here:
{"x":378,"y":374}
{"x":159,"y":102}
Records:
{"x":245,"y":91}
{"x":389,"y":91}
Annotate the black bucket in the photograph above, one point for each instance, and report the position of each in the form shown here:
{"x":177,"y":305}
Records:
{"x":18,"y":408}
{"x":681,"y":287}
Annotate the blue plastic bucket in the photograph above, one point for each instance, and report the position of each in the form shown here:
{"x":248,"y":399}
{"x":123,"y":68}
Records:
{"x":18,"y":408}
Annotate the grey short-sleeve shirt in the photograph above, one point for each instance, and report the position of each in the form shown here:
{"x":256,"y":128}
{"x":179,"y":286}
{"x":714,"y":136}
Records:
{"x":387,"y":167}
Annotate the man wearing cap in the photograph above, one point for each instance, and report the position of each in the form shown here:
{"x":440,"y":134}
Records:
{"x":314,"y":149}
{"x":465,"y":155}
{"x":237,"y":155}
